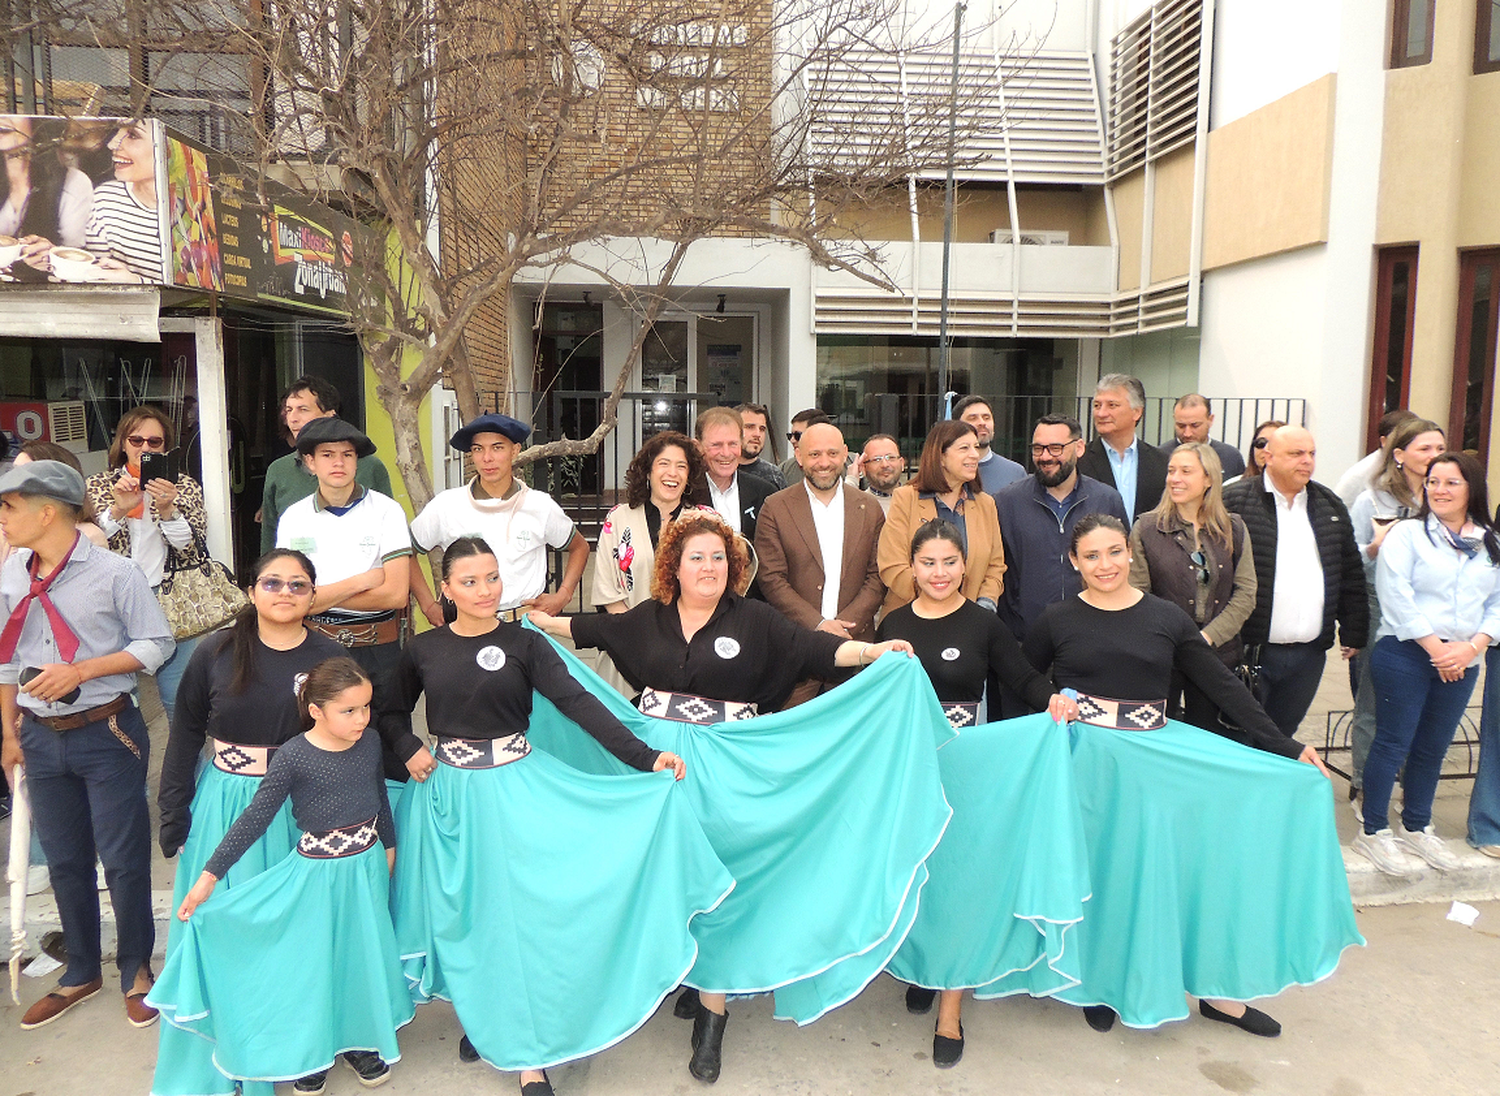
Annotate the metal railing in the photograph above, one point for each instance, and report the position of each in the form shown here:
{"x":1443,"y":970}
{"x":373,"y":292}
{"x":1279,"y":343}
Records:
{"x":1460,"y":763}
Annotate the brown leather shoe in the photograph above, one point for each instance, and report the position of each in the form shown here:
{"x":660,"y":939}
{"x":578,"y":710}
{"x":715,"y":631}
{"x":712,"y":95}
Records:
{"x":137,"y":1011}
{"x":53,"y":1005}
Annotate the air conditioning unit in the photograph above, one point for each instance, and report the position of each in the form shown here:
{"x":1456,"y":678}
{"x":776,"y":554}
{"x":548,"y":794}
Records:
{"x":61,"y":421}
{"x":1051,"y":238}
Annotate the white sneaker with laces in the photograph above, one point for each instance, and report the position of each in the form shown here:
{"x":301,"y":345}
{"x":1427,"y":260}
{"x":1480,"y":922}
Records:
{"x":1428,"y":845}
{"x":1382,"y":851}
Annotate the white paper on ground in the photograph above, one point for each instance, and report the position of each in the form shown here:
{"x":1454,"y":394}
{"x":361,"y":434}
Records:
{"x":1464,"y":914}
{"x":41,"y":966}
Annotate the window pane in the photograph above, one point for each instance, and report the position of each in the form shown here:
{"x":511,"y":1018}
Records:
{"x":1416,"y":28}
{"x":1493,"y":49}
{"x":1395,"y":347}
{"x":1480,"y":354}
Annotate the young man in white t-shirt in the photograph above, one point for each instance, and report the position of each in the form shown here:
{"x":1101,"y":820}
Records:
{"x":360,"y":545}
{"x":519,"y":523}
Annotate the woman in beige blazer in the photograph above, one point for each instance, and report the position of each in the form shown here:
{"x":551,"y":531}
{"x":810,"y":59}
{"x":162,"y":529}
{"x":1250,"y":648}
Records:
{"x":946,"y":485}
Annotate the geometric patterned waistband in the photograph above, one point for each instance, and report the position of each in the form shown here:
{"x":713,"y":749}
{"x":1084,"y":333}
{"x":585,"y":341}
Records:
{"x":687,"y":708}
{"x":481,"y":753}
{"x":332,"y":844}
{"x":231,"y":757}
{"x":1123,"y":715}
{"x":961,"y":714}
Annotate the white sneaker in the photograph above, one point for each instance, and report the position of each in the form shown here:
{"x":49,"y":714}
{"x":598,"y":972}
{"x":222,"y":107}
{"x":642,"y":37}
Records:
{"x":37,"y":879}
{"x":1382,"y":851}
{"x":1428,"y":845}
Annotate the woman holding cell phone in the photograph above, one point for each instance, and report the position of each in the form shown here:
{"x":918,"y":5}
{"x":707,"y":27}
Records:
{"x":145,"y":506}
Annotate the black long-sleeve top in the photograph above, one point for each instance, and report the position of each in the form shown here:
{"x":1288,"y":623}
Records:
{"x":1129,"y":654}
{"x":747,"y":653}
{"x":330,"y":789}
{"x":264,"y":713}
{"x":959,"y":652}
{"x":480,"y":687}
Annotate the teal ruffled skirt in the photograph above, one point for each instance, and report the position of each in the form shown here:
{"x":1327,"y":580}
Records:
{"x":824,"y":815}
{"x":184,"y":1060}
{"x":550,"y":906}
{"x":1010,"y":878}
{"x":289,"y":969}
{"x":1216,"y":871}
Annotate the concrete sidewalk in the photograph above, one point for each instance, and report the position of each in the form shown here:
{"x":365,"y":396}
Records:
{"x":1414,"y":1012}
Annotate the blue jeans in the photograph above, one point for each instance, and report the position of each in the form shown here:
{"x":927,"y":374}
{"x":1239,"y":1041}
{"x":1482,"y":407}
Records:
{"x":1289,"y":678}
{"x":1416,"y":714}
{"x":1484,"y":802}
{"x":169,"y":675}
{"x":88,"y":793}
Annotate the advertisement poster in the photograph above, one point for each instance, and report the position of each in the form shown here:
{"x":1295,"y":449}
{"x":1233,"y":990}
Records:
{"x":121,"y":201}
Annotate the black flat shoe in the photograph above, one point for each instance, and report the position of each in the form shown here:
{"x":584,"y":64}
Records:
{"x":538,"y":1088}
{"x":919,"y":1000}
{"x":1254,"y":1021}
{"x":1100,"y":1017}
{"x":686,"y":1007}
{"x":466,"y":1051}
{"x":708,"y":1045}
{"x":945,"y":1051}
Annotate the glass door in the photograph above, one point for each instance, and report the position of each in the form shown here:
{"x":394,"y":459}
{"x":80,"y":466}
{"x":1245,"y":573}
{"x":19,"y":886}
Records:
{"x":689,"y":362}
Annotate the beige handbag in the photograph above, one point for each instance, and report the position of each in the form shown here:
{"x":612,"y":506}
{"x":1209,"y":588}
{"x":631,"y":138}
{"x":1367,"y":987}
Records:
{"x":197,"y":592}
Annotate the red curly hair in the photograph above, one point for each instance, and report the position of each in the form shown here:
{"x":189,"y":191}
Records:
{"x":664,"y":583}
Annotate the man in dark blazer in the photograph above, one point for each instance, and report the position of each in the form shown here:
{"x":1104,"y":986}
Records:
{"x":817,"y":545}
{"x":735,"y":494}
{"x":1117,"y":456}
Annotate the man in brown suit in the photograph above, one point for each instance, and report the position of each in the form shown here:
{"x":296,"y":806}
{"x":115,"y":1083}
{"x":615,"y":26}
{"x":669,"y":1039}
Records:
{"x":816,"y":541}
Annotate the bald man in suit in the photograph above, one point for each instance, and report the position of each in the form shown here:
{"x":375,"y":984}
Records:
{"x":817,"y":544}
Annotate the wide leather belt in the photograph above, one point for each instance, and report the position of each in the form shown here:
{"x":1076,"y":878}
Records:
{"x":960,"y":714}
{"x":514,"y":616}
{"x":1123,"y":715}
{"x":82,"y":719}
{"x":332,"y":844}
{"x":372,"y":633}
{"x":687,"y":708}
{"x":238,"y":760}
{"x":481,"y":753}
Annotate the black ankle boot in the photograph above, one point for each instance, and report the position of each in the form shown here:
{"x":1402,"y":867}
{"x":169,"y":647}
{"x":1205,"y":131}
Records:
{"x":708,"y":1045}
{"x":686,"y":1007}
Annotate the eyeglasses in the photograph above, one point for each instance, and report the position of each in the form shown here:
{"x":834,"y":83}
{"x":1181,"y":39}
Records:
{"x":297,"y":587}
{"x":882,"y":460}
{"x":142,"y":442}
{"x":1260,"y":443}
{"x":1200,"y":561}
{"x":1056,"y":449}
{"x":794,"y":435}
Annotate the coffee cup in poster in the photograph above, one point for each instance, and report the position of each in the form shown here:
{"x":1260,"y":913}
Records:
{"x":10,"y":250}
{"x":73,"y":264}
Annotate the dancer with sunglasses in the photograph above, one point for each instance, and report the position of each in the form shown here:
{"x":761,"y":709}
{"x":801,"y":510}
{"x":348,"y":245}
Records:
{"x":1193,"y":552}
{"x":239,"y":696}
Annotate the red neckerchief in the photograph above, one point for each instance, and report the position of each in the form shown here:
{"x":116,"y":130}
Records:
{"x":67,"y":642}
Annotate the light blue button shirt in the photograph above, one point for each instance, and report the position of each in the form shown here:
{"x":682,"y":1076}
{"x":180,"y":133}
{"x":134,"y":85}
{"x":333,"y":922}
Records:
{"x":1124,"y":466}
{"x":1427,"y":587}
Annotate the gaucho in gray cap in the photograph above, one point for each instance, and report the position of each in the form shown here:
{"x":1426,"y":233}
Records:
{"x":79,"y":623}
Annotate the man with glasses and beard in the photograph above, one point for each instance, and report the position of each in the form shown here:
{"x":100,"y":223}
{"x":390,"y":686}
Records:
{"x":1037,"y":515}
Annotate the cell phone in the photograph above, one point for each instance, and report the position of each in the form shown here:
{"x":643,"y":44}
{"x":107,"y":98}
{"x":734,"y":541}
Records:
{"x":29,"y":672}
{"x":160,"y":466}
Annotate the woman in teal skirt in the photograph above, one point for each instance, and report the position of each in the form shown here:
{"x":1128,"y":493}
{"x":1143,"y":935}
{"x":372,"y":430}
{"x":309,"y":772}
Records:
{"x":297,"y":967}
{"x":1215,"y":868}
{"x":550,"y":906}
{"x":238,"y":695}
{"x":1009,"y":877}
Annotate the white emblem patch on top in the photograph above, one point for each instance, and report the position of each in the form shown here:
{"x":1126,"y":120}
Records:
{"x":950,"y":654}
{"x":490,"y":658}
{"x":726,"y":646}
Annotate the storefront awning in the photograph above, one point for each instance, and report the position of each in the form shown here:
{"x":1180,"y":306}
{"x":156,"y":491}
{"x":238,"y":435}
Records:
{"x":126,"y":313}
